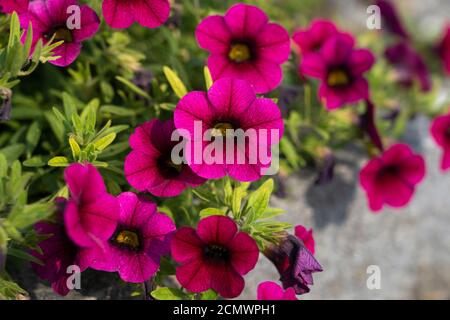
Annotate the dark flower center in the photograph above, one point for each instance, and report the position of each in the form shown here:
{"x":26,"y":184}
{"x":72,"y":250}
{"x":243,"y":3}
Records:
{"x":388,"y":172}
{"x":338,"y":78}
{"x":126,"y":238}
{"x":167,"y":168}
{"x":60,"y":33}
{"x":216,"y":253}
{"x":220,"y":129}
{"x":240,"y":52}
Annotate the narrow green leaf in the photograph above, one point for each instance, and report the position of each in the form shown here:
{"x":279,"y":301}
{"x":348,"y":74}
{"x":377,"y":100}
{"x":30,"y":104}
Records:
{"x":58,"y":162}
{"x":104,"y":142}
{"x":165,"y":293}
{"x":175,"y":82}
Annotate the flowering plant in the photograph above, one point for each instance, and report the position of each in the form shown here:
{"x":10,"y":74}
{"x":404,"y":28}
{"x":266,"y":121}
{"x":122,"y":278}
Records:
{"x":148,"y":148}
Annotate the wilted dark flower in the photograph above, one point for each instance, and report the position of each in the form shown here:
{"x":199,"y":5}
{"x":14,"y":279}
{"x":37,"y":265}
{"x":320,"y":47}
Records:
{"x":5,"y":107}
{"x":367,"y":124}
{"x":326,"y":166}
{"x":294,"y":262}
{"x":391,"y":19}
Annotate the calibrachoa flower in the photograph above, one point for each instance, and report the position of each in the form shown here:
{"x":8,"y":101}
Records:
{"x":91,"y":213}
{"x":391,"y":20}
{"x":409,"y":65}
{"x":391,"y":178}
{"x":148,"y":13}
{"x":340,"y":67}
{"x":440,"y":130}
{"x":244,"y":45}
{"x":306,"y":236}
{"x":149,"y":166}
{"x":269,"y":290}
{"x":142,"y":236}
{"x":58,"y":252}
{"x":312,"y":39}
{"x":51,"y":18}
{"x":444,"y":49}
{"x":10,"y":6}
{"x":230,"y":104}
{"x":294,"y":262}
{"x":368,"y":125}
{"x":215,"y":256}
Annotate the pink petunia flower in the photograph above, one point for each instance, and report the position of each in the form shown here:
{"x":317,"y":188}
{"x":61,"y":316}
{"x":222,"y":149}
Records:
{"x":444,"y":49}
{"x":340,"y":67}
{"x":10,"y":6}
{"x":314,"y":37}
{"x":215,"y":256}
{"x":230,"y":104}
{"x":269,"y":290}
{"x":294,"y":262}
{"x":440,"y":131}
{"x":142,"y":236}
{"x":409,"y":65}
{"x":148,"y":13}
{"x":391,"y":178}
{"x":149,"y":166}
{"x":58,"y":252}
{"x":58,"y":18}
{"x":306,"y":236}
{"x":91,"y":214}
{"x":244,"y":45}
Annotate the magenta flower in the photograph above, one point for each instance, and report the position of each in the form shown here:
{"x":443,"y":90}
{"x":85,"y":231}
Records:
{"x":244,"y":45}
{"x":51,"y":18}
{"x":440,"y":131}
{"x":142,"y":236}
{"x":215,"y":256}
{"x":58,"y":252}
{"x":149,"y":166}
{"x":391,"y":20}
{"x":313,"y":38}
{"x":340,"y":67}
{"x":306,"y":236}
{"x":409,"y":66}
{"x":91,"y":214}
{"x":230,"y":104}
{"x":391,"y":178}
{"x":269,"y":290}
{"x":10,"y":6}
{"x":294,"y":262}
{"x":444,"y":49}
{"x":148,"y":13}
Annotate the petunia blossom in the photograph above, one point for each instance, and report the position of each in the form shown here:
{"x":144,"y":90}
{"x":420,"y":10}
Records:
{"x":58,"y":19}
{"x":269,"y":290}
{"x":409,"y":66}
{"x":294,"y":262}
{"x":392,"y":177}
{"x":91,"y":214}
{"x":440,"y":131}
{"x":149,"y":166}
{"x":314,"y":37}
{"x":228,"y":109}
{"x":142,"y":236}
{"x":10,"y":6}
{"x":243,"y":44}
{"x":58,"y":253}
{"x":214,"y":256}
{"x":148,"y":13}
{"x":444,"y":49}
{"x":306,"y":236}
{"x":340,"y":68}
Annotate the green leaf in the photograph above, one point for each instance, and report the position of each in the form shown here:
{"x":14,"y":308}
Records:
{"x":209,"y":295}
{"x":104,"y":142}
{"x":165,"y":293}
{"x":13,"y":152}
{"x":37,"y":161}
{"x":70,"y":105}
{"x":20,"y":254}
{"x":3,"y":165}
{"x":118,"y":111}
{"x":58,"y":162}
{"x":208,"y":78}
{"x":175,"y":82}
{"x":32,"y":137}
{"x":133,"y":87}
{"x":259,"y":199}
{"x":211,"y":212}
{"x":74,"y":147}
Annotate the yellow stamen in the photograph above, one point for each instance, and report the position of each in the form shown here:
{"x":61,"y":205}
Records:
{"x":239,"y":52}
{"x":63,"y":34}
{"x":128,"y":238}
{"x":220,"y":129}
{"x":337,"y":78}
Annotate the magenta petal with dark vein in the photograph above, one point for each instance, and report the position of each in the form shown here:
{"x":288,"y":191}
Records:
{"x":440,"y":129}
{"x":391,"y":178}
{"x":269,"y":290}
{"x":10,"y":6}
{"x":244,"y":45}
